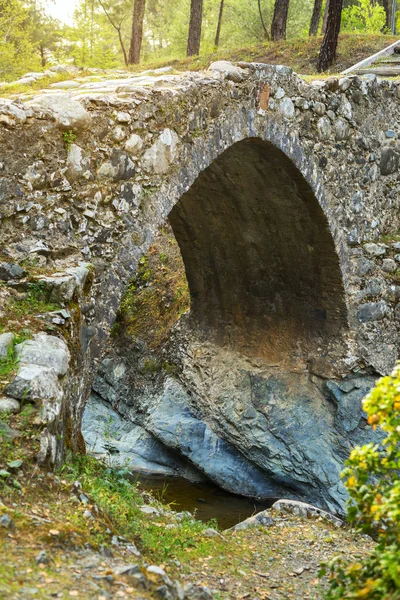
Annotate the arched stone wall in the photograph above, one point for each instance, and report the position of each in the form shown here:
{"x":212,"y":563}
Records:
{"x":260,"y":260}
{"x":141,"y":142}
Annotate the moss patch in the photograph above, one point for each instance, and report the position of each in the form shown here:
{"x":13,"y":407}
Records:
{"x":158,"y":294}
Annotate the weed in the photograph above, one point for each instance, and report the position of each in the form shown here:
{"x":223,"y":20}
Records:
{"x":9,"y":364}
{"x":68,"y":138}
{"x":151,"y":365}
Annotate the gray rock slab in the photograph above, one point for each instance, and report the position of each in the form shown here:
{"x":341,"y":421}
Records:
{"x":34,"y":382}
{"x":9,"y":405}
{"x":261,"y":519}
{"x":68,"y":113}
{"x":10,"y":271}
{"x":46,"y":351}
{"x":172,"y":422}
{"x":302,"y":509}
{"x":106,"y":433}
{"x":6,"y":344}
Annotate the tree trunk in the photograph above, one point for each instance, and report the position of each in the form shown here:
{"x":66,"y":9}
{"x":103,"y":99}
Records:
{"x":194,"y":37}
{"x":137,"y":32}
{"x":316,"y":15}
{"x":266,"y":34}
{"x":328,"y":50}
{"x":42,"y":55}
{"x":387,"y":13}
{"x":279,"y":20}
{"x":218,"y":33}
{"x":325,"y":19}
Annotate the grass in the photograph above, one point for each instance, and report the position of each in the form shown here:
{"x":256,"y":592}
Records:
{"x":299,"y":53}
{"x":48,"y":516}
{"x":20,"y":313}
{"x":9,"y":364}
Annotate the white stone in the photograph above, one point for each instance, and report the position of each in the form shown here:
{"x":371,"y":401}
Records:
{"x":46,"y":351}
{"x":319,"y":108}
{"x":286,"y":108}
{"x":123,"y":117}
{"x":162,"y":153}
{"x":75,"y":161}
{"x":344,"y":84}
{"x":134,"y":144}
{"x":67,"y":112}
{"x":345,"y":108}
{"x":324,"y":128}
{"x":9,"y":405}
{"x":11,"y":112}
{"x":119,"y":134}
{"x":6,"y":344}
{"x":34,"y":382}
{"x":228,"y":70}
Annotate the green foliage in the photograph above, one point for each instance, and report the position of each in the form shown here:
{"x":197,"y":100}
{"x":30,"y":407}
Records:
{"x":372,"y":478}
{"x":364,"y":15}
{"x":28,"y":35}
{"x":8,"y":364}
{"x":114,"y":493}
{"x":68,"y":138}
{"x":17,"y":46}
{"x":34,"y":302}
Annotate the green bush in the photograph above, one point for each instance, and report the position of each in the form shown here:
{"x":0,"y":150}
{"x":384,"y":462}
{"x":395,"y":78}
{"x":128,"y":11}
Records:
{"x":372,"y":478}
{"x":364,"y":16}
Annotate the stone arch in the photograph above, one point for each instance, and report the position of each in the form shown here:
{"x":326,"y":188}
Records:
{"x":259,"y":255}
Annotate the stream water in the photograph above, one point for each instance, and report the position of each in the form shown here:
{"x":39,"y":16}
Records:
{"x":204,"y":500}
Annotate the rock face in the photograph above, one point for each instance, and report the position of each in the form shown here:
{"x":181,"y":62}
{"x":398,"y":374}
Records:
{"x":281,"y":195}
{"x":253,"y":430}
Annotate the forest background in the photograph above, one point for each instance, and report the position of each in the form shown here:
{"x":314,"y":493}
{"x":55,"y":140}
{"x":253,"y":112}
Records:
{"x":103,"y":32}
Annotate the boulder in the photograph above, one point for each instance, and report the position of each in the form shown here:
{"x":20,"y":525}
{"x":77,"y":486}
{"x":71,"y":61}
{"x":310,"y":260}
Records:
{"x":6,"y":345}
{"x":46,"y":351}
{"x":9,"y":405}
{"x":302,"y":509}
{"x":69,"y":114}
{"x":34,"y":382}
{"x":228,"y":70}
{"x":10,"y":271}
{"x":261,"y":519}
{"x":162,"y":153}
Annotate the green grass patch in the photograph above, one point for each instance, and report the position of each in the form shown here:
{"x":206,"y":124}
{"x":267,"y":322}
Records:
{"x":121,"y":499}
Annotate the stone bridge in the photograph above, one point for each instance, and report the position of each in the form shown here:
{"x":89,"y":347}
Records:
{"x":284,"y":198}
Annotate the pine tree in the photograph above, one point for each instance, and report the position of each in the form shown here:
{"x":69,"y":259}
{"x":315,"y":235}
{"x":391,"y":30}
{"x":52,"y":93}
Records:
{"x":327,"y":54}
{"x":194,"y":37}
{"x":279,"y":20}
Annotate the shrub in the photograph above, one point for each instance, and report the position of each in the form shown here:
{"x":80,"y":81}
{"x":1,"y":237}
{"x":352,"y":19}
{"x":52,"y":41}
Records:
{"x":364,"y":16}
{"x":372,"y":478}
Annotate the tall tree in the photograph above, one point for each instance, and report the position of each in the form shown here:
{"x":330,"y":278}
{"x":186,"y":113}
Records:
{"x":137,"y":32}
{"x":325,"y":18}
{"x":194,"y":37}
{"x":266,"y":34}
{"x":117,"y":24}
{"x":315,"y":18}
{"x":327,"y":54}
{"x":219,"y":25}
{"x":387,"y":13}
{"x":279,"y":20}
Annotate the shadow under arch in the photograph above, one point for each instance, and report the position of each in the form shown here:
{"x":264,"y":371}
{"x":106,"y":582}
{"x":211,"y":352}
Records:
{"x":262,"y":267}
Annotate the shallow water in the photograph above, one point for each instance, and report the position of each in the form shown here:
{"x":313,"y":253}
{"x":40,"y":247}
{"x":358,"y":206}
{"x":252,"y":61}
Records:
{"x":204,"y":500}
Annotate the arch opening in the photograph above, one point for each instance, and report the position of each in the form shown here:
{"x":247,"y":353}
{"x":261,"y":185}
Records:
{"x":262,"y":267}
